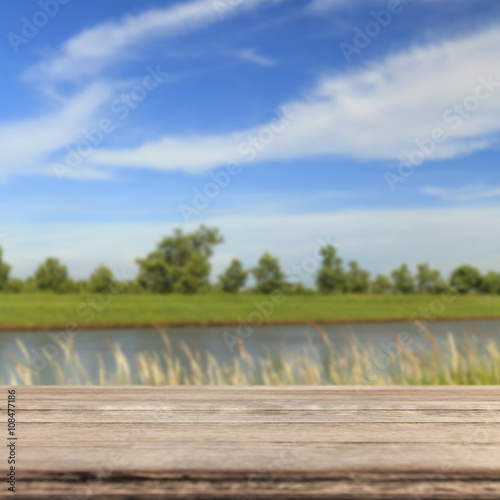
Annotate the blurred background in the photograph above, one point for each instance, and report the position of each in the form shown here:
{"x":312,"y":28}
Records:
{"x":215,"y":164}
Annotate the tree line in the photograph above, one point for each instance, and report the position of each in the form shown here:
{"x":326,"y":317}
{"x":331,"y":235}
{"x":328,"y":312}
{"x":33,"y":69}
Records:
{"x":180,"y":263}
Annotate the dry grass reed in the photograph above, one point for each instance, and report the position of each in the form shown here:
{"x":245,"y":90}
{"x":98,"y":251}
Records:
{"x":476,"y":362}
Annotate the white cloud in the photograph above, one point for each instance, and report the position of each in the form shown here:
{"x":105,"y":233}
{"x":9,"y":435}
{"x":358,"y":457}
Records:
{"x":88,"y":52}
{"x":85,"y":55}
{"x":468,"y":193}
{"x":374,"y":113}
{"x":380,"y":239}
{"x":24,"y":144}
{"x":320,"y":6}
{"x":253,"y":56}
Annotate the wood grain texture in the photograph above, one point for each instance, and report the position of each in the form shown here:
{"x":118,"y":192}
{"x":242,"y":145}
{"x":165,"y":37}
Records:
{"x":256,"y":442}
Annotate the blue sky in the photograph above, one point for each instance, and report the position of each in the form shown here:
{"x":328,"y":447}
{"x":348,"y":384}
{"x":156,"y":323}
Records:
{"x":373,"y":124}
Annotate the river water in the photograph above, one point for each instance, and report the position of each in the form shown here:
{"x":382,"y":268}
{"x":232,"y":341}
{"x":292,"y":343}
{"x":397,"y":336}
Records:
{"x":218,"y":341}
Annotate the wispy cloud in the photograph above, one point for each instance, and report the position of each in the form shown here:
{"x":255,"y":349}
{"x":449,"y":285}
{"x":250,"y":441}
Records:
{"x":82,"y":59}
{"x":25,"y":144}
{"x":375,"y":113}
{"x":320,"y":6}
{"x":253,"y":56}
{"x":467,"y":193}
{"x":88,"y":52}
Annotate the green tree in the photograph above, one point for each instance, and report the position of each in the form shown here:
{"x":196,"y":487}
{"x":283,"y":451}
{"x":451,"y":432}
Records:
{"x":381,"y":284}
{"x":30,"y":285}
{"x":132,"y":287}
{"x":14,"y":285}
{"x":72,"y":286}
{"x":180,"y":262}
{"x":357,"y":280}
{"x":234,"y":277}
{"x":428,"y":280}
{"x":4,"y":271}
{"x":331,"y":276}
{"x":403,"y":280}
{"x":491,"y":283}
{"x":82,"y":286}
{"x":101,"y":280}
{"x":268,"y":274}
{"x":297,"y":288}
{"x":51,"y":276}
{"x":466,"y":279}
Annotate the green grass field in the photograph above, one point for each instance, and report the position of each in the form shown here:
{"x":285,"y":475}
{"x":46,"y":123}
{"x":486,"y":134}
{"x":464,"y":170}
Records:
{"x":44,"y":310}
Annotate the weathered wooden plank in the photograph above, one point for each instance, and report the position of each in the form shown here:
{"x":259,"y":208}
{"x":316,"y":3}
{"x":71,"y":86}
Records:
{"x":98,"y":432}
{"x":262,"y":389}
{"x":228,"y":456}
{"x":410,"y":392}
{"x":246,"y":398}
{"x":259,"y":416}
{"x":262,"y":485}
{"x":232,"y":407}
{"x":258,"y":442}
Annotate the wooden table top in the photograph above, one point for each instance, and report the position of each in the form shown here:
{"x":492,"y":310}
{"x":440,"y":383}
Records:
{"x":254,"y":442}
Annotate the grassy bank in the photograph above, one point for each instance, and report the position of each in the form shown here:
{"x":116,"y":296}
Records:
{"x":47,"y":311}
